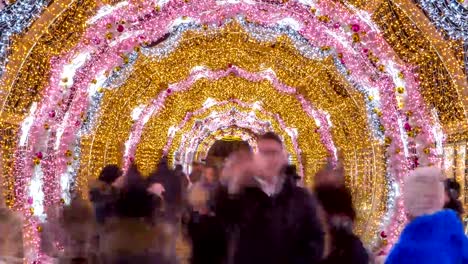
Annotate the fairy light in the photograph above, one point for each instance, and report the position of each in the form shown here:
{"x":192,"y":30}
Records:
{"x":14,"y":19}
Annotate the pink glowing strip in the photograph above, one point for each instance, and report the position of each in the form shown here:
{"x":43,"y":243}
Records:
{"x":195,"y":75}
{"x":279,"y":120}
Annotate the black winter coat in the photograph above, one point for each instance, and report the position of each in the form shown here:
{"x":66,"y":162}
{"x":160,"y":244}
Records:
{"x":208,"y":239}
{"x":346,"y":248}
{"x":283,"y":229}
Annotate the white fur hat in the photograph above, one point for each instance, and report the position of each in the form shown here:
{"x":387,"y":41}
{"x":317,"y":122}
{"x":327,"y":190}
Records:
{"x":423,"y":191}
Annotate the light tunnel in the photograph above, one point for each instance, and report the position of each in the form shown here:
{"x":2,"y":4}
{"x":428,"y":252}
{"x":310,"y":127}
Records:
{"x":88,"y":83}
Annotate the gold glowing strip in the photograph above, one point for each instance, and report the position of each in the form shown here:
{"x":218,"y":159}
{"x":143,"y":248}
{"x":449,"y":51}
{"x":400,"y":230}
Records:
{"x":23,"y":45}
{"x":430,"y":32}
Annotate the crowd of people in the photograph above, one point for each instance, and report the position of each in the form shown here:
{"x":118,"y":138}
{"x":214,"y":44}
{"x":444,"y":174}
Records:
{"x":253,"y":209}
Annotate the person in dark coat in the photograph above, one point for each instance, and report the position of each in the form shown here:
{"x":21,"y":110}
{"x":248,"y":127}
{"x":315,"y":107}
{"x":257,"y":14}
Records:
{"x":452,"y":195}
{"x":132,"y":235}
{"x":269,"y":219}
{"x":337,"y":204}
{"x":179,"y":172}
{"x":102,"y":194}
{"x":204,"y":229}
{"x":173,"y":195}
{"x":291,"y":171}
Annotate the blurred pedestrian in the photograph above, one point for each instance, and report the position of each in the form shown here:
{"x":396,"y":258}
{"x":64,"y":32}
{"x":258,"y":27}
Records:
{"x":432,"y":235}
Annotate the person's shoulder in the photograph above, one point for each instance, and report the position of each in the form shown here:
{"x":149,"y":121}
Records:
{"x":303,"y":196}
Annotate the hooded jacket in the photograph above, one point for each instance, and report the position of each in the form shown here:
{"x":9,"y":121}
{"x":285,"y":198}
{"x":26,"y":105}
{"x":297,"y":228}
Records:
{"x":431,"y":239}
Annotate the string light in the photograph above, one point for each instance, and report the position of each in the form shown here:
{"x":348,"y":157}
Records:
{"x":452,"y":17}
{"x":14,"y":19}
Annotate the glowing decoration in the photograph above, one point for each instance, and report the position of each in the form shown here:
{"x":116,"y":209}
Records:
{"x":183,"y":147}
{"x":450,"y":16}
{"x":200,"y":72}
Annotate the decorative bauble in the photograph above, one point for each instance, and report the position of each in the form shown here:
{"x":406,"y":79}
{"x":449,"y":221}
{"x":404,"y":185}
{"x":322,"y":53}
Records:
{"x":383,"y":234}
{"x":388,"y":141}
{"x":427,"y":151}
{"x":36,"y":161}
{"x":407,"y":127}
{"x":400,"y":90}
{"x":355,"y":28}
{"x":120,"y":28}
{"x":356,"y":38}
{"x":52,"y":114}
{"x":39,"y":155}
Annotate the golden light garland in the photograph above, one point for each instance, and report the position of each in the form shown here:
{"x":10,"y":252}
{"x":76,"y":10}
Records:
{"x":25,"y":87}
{"x":8,"y":141}
{"x":437,"y":86}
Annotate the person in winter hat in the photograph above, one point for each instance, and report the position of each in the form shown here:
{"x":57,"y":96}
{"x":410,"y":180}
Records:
{"x":432,"y":235}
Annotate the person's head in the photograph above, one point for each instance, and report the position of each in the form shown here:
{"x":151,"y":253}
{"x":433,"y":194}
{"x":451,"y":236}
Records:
{"x":210,"y":174}
{"x":239,"y":162}
{"x":178,"y":168}
{"x":423,"y":191}
{"x":291,"y":172}
{"x":452,"y":190}
{"x":197,"y":166}
{"x":135,"y":201}
{"x":271,"y":156}
{"x":110,"y":173}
